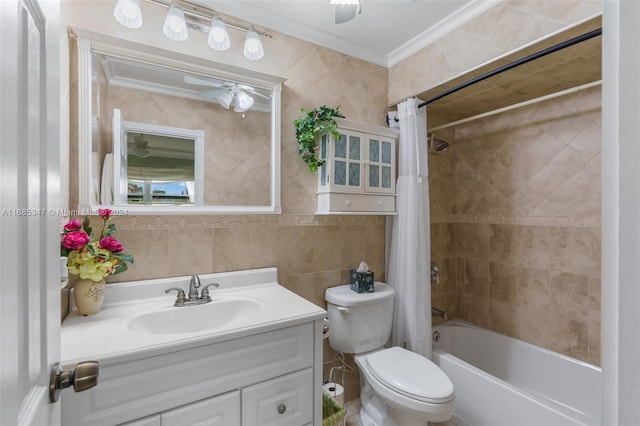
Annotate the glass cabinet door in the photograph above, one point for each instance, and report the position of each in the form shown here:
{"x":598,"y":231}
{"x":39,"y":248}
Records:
{"x":347,"y":162}
{"x":380,"y":171}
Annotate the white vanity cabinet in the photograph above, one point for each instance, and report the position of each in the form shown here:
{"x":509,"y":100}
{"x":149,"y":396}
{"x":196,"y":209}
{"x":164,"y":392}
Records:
{"x":220,"y":410}
{"x":263,"y":379}
{"x":359,"y":173}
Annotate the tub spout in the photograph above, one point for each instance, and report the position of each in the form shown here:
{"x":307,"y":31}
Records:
{"x":435,"y":312}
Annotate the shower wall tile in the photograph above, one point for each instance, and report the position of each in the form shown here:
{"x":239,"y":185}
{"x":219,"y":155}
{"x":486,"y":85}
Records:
{"x":533,"y":246}
{"x":527,"y":261}
{"x":502,"y":282}
{"x":503,"y":243}
{"x":569,"y":293}
{"x":533,"y":288}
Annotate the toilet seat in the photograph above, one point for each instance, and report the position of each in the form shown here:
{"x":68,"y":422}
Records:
{"x":411,"y":375}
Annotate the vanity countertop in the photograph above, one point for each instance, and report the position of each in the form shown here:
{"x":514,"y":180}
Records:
{"x":108,"y":337}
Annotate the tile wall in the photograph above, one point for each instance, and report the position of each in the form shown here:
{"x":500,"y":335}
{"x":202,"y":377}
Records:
{"x":516,"y":223}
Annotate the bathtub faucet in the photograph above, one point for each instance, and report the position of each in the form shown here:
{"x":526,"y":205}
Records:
{"x":435,"y":312}
{"x":435,"y":273}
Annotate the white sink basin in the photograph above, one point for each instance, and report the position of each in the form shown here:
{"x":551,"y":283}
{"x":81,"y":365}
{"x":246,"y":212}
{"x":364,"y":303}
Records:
{"x":190,"y":319}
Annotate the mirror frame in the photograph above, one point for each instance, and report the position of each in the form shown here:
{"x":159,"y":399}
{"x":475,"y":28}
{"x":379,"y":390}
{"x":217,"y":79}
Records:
{"x":88,"y":42}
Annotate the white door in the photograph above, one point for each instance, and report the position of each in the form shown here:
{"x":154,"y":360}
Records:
{"x":29,"y":221}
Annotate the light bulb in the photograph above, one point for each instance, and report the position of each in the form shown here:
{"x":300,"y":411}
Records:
{"x":175,"y":25}
{"x":243,"y":101}
{"x":218,"y":35}
{"x":253,"y":46}
{"x":225,"y":100}
{"x":128,"y":13}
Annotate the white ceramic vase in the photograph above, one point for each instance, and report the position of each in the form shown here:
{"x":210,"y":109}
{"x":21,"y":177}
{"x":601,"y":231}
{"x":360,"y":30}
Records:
{"x":88,"y":296}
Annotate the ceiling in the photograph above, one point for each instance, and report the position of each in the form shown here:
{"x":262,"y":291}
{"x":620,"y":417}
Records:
{"x":385,"y":32}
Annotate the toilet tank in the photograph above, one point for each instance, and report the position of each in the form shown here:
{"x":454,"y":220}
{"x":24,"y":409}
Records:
{"x":360,"y":322}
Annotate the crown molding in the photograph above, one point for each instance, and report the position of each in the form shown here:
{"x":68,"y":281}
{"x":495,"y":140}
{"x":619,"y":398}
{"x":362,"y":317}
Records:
{"x":440,"y":29}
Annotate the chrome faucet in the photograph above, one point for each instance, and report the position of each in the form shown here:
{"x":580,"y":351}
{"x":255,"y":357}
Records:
{"x":435,"y":273}
{"x":435,"y":312}
{"x":194,"y":298}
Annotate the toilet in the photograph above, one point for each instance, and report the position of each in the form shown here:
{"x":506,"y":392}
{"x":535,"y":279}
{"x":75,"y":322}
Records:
{"x":398,"y":387}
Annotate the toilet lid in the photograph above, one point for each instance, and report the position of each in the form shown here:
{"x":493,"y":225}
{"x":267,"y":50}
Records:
{"x":411,"y":374}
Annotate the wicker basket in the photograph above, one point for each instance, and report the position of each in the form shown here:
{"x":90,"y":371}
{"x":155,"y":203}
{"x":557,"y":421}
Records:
{"x":332,"y":411}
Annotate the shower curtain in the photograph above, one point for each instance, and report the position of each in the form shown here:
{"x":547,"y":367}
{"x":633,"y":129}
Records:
{"x":409,"y":249}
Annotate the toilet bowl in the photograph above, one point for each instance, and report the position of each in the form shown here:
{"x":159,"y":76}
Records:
{"x":398,"y":387}
{"x":414,"y":387}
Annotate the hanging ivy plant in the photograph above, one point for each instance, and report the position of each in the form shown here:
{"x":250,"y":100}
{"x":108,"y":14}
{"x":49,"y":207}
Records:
{"x":311,"y":124}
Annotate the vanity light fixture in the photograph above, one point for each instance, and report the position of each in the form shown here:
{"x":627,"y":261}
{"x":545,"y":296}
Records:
{"x":175,"y":26}
{"x":183,"y":14}
{"x":252,"y":46}
{"x":218,"y":35}
{"x":128,"y":13}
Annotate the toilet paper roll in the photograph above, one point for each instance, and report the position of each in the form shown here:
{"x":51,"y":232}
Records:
{"x":335,"y":390}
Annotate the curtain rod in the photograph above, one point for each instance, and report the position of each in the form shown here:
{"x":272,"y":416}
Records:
{"x":514,"y":64}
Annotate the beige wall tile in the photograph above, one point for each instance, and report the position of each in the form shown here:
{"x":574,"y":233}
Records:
{"x":576,"y":250}
{"x":569,"y":336}
{"x":476,"y":277}
{"x":297,"y":250}
{"x":476,"y":310}
{"x":503,"y":243}
{"x":569,"y":294}
{"x":502,"y":282}
{"x":150,"y":249}
{"x":501,"y":317}
{"x":475,"y":243}
{"x":533,"y":246}
{"x":533,"y":289}
{"x":532,"y":325}
{"x":190,"y":251}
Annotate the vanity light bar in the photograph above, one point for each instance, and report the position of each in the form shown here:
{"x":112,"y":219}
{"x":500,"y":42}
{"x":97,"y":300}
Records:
{"x":182,"y":14}
{"x":203,"y":16}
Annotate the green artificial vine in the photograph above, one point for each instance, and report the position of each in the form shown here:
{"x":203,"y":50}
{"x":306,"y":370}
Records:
{"x":312,"y":123}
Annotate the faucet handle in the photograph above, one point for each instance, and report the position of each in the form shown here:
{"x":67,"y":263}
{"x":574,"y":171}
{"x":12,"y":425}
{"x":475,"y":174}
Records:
{"x":205,"y":291}
{"x":181,"y":297}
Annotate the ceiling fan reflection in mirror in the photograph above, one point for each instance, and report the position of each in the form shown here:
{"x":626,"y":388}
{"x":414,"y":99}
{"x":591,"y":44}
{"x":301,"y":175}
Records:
{"x":226,"y":93}
{"x":140,"y":148}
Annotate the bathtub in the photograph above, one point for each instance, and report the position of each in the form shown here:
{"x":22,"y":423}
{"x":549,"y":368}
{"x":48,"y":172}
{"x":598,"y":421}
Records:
{"x":502,"y":381}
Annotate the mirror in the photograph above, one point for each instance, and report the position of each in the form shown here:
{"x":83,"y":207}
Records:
{"x":165,"y":133}
{"x":158,"y":165}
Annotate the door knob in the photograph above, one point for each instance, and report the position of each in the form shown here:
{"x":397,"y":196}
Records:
{"x":83,"y":377}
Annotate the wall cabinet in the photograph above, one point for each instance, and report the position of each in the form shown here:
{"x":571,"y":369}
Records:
{"x":271,"y":378}
{"x":359,"y":172}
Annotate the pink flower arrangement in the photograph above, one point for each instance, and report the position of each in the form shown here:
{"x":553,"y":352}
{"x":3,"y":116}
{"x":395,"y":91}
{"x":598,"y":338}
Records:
{"x":89,"y":257}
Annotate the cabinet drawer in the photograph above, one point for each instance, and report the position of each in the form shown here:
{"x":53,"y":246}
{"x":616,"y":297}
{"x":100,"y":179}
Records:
{"x":356,"y":203}
{"x":285,"y":401}
{"x":379,"y":203}
{"x":221,"y":410}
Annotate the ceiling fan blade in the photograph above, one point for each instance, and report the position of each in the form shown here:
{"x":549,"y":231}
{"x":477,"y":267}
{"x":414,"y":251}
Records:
{"x":202,"y":82}
{"x":211,"y":95}
{"x":347,"y":12}
{"x":253,"y":92}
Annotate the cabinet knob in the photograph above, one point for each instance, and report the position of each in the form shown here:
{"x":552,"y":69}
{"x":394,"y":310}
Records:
{"x":282,"y":408}
{"x":380,"y":203}
{"x":347,"y":202}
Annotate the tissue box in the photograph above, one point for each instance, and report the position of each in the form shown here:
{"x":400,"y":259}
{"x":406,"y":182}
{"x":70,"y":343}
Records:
{"x":361,"y":282}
